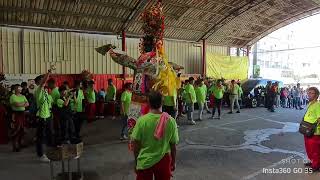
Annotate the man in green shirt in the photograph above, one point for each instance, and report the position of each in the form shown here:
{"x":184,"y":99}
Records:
{"x":125,"y":109}
{"x":77,"y":108}
{"x":217,"y":90}
{"x":155,"y":138}
{"x":201,"y":97}
{"x":170,"y":104}
{"x":65,"y":115}
{"x":45,"y":124}
{"x":240,"y":94}
{"x":111,"y":98}
{"x":234,"y":96}
{"x":55,"y":94}
{"x":190,"y":99}
{"x":18,"y":103}
{"x":91,"y":102}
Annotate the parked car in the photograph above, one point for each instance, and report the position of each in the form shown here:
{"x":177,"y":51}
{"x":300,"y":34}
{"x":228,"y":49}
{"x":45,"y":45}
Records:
{"x":254,"y":91}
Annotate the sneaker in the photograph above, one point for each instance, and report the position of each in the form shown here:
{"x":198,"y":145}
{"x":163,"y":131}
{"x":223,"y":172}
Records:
{"x":113,"y":117}
{"x":209,"y":112}
{"x":218,"y":117}
{"x":212,"y":117}
{"x":193,"y":122}
{"x":44,"y":158}
{"x":238,"y":111}
{"x":124,"y":137}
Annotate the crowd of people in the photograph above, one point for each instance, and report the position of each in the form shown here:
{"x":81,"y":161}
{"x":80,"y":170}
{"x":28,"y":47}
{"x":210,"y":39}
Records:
{"x":285,"y":97}
{"x":59,"y":112}
{"x":202,"y":94}
{"x":292,"y":97}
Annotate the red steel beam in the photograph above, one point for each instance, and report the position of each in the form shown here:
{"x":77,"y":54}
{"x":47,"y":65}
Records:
{"x":204,"y":57}
{"x":124,"y":48}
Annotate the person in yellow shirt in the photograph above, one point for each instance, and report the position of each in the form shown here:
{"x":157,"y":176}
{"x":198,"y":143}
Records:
{"x":234,"y":91}
{"x":312,"y":144}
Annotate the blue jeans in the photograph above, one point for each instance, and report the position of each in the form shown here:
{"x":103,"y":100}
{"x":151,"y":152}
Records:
{"x":297,"y":102}
{"x":124,"y":120}
{"x":201,"y":107}
{"x":190,"y":109}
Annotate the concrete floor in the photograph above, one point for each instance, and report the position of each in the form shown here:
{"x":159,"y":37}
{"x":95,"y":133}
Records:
{"x":239,"y":146}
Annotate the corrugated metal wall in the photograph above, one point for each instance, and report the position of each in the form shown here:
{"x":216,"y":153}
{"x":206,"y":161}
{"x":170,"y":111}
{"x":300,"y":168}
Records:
{"x":10,"y":50}
{"x":218,"y":49}
{"x":73,"y":52}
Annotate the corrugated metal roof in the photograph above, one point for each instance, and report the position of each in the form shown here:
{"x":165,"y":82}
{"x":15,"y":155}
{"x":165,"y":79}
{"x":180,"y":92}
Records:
{"x":222,"y":22}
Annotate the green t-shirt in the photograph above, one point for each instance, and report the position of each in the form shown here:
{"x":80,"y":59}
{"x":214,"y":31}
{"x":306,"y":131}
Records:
{"x":17,"y":99}
{"x":126,"y":100}
{"x":201,"y":94}
{"x":153,"y":150}
{"x":235,"y":90}
{"x":55,"y":94}
{"x":312,"y":115}
{"x":76,"y":106}
{"x":170,"y":100}
{"x":189,"y":89}
{"x":218,"y":91}
{"x":44,"y":103}
{"x":60,"y":103}
{"x":91,"y":95}
{"x":240,"y":91}
{"x":111,"y":93}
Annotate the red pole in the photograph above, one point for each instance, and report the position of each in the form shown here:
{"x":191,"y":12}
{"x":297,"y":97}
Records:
{"x":124,"y":48}
{"x":1,"y":59}
{"x":204,"y":57}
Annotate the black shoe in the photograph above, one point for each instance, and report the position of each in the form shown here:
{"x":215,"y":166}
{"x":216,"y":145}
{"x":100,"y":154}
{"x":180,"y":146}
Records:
{"x":230,"y":112}
{"x":308,"y":164}
{"x":238,"y":111}
{"x":209,"y":112}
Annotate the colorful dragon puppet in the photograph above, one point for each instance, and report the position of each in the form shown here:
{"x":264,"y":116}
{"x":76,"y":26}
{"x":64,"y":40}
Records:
{"x":152,"y":69}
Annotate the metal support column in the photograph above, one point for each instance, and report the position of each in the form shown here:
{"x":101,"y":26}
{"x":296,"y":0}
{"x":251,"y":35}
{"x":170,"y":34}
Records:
{"x":124,"y":70}
{"x":204,"y":57}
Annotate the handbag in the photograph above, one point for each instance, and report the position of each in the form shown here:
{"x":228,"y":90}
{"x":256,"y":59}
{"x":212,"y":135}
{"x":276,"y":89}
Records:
{"x":306,"y":128}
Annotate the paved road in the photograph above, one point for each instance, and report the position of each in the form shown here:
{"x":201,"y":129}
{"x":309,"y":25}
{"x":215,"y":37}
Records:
{"x":255,"y":144}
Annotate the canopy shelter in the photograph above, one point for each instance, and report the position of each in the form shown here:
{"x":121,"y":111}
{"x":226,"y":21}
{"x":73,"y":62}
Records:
{"x":235,"y":23}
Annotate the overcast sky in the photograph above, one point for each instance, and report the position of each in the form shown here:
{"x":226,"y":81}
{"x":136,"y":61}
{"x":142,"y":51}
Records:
{"x":306,"y":31}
